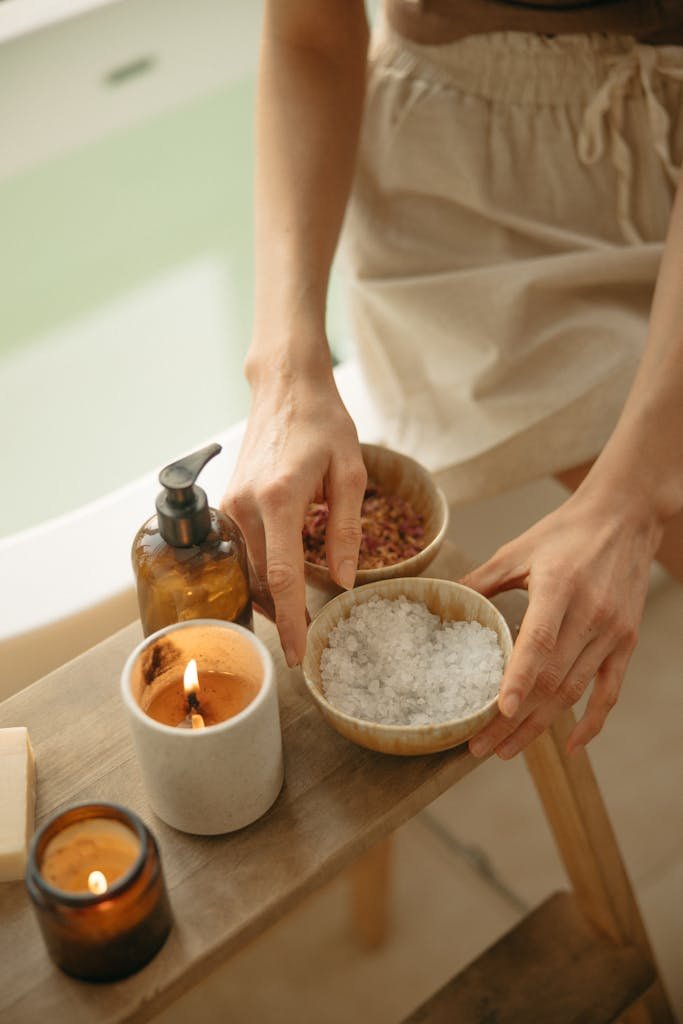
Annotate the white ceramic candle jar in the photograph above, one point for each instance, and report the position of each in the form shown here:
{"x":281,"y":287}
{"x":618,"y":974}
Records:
{"x":214,"y":778}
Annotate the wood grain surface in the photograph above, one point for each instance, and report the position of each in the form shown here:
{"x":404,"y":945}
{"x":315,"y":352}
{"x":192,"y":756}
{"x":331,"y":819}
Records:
{"x":338,"y":800}
{"x":572,"y":973}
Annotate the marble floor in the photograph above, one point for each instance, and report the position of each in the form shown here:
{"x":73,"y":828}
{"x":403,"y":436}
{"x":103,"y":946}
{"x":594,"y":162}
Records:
{"x":469,"y":866}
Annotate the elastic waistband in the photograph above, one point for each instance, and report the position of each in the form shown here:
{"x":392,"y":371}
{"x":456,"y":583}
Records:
{"x":518,"y":67}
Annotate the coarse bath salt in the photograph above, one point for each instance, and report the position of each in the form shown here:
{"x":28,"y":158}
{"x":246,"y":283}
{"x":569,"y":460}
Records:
{"x":396,"y":663}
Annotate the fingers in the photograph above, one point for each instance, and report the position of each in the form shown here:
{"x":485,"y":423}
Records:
{"x":282,"y":522}
{"x":510,"y":736}
{"x":261,"y":598}
{"x":587,"y":580}
{"x":506,"y":569}
{"x":605,"y":694}
{"x":276,"y":571}
{"x":569,"y":693}
{"x":256,"y":545}
{"x":270,"y":512}
{"x":300,"y":444}
{"x":548,"y":682}
{"x":245,"y":515}
{"x":536,"y":643}
{"x":345,"y":489}
{"x":538,"y":636}
{"x":500,"y":728}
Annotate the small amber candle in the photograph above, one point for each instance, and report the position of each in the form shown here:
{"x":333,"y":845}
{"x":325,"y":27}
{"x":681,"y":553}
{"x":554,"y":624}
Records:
{"x":94,"y":876}
{"x":89,"y":855}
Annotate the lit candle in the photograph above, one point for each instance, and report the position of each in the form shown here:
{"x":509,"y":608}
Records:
{"x":188,"y":704}
{"x":95,"y":879}
{"x":208,"y":742}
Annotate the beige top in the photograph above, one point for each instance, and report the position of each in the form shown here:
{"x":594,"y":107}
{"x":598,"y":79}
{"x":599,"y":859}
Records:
{"x":512,"y":194}
{"x":444,"y":21}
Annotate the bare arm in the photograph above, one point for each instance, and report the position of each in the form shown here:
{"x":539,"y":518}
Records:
{"x":642,"y":464}
{"x":310,"y":97}
{"x":586,"y":566}
{"x":300,"y":443}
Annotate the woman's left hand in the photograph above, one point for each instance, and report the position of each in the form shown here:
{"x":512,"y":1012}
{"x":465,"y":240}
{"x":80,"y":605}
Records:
{"x":586,"y":571}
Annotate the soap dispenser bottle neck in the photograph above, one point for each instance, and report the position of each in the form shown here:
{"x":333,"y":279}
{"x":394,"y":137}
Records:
{"x":182,"y":508}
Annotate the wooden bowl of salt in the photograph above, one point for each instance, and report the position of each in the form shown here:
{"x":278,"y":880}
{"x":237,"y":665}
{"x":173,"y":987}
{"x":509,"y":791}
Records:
{"x":370,"y":663}
{"x":410,"y":488}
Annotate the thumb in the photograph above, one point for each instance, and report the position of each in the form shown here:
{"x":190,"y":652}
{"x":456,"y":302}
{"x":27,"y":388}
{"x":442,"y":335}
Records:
{"x":498,"y":573}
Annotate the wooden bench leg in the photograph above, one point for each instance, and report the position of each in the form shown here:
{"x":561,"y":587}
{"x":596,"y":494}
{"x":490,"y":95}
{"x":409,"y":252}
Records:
{"x":370,"y":879}
{"x":577,"y":816}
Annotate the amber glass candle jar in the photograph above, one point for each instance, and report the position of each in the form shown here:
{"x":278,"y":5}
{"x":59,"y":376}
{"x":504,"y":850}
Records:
{"x":94,"y":875}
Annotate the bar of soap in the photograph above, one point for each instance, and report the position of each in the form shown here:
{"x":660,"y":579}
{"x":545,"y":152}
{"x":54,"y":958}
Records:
{"x":17,"y":809}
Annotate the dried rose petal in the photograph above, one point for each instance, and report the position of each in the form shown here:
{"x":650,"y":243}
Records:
{"x":391,"y":530}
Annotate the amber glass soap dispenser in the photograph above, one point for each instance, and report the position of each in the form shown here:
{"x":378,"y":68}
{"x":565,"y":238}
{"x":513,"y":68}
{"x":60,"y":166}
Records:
{"x":190,"y":561}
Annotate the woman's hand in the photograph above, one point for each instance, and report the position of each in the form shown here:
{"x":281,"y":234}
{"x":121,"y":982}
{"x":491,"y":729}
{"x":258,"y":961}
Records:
{"x":300,"y":446}
{"x":586,"y":570}
{"x":300,"y":442}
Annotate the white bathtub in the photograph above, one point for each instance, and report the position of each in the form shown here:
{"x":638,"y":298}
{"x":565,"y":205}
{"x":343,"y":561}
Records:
{"x":72,"y":71}
{"x":68,"y":583}
{"x":125,"y":261}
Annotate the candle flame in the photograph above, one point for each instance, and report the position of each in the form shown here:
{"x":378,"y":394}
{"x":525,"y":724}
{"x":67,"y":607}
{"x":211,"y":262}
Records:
{"x":191,"y":678}
{"x":97,"y":882}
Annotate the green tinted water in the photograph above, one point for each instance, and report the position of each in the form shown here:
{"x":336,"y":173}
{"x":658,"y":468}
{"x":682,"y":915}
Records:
{"x":127,"y":290}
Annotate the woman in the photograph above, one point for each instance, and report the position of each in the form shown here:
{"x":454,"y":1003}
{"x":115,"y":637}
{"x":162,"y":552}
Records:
{"x":509,"y":172}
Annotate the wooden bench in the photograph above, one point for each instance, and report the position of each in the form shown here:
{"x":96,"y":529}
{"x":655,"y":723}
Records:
{"x":554,"y":966}
{"x":338,"y":807}
{"x":581,"y":956}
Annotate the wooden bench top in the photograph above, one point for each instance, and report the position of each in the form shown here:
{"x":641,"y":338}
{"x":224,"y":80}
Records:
{"x":338,"y":800}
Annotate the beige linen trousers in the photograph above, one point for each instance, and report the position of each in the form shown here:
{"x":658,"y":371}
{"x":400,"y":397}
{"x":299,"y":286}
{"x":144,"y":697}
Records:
{"x":511,"y":199}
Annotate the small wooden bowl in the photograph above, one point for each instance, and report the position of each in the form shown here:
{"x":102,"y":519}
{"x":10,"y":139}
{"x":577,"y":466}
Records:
{"x":449,"y":600}
{"x":398,"y":474}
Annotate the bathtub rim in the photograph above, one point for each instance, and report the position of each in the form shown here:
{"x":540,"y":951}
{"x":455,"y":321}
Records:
{"x":107,"y":526}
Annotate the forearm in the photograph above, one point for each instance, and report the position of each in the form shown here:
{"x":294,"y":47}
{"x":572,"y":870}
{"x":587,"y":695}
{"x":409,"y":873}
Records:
{"x":643,"y":461}
{"x":309,"y":106}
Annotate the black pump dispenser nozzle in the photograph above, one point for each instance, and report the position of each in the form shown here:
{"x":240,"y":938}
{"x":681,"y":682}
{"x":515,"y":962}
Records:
{"x":182,"y":509}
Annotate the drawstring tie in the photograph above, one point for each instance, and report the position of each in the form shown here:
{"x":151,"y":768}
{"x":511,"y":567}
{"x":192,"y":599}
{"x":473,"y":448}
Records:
{"x":608,"y":106}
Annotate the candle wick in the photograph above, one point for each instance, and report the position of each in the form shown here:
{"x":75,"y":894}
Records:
{"x":193,"y":701}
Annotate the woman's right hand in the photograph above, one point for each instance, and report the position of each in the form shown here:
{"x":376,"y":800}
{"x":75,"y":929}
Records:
{"x":300,"y":442}
{"x":300,"y":446}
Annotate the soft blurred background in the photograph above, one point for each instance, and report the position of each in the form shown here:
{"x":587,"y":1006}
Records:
{"x":126,"y":156}
{"x":126,"y":261}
